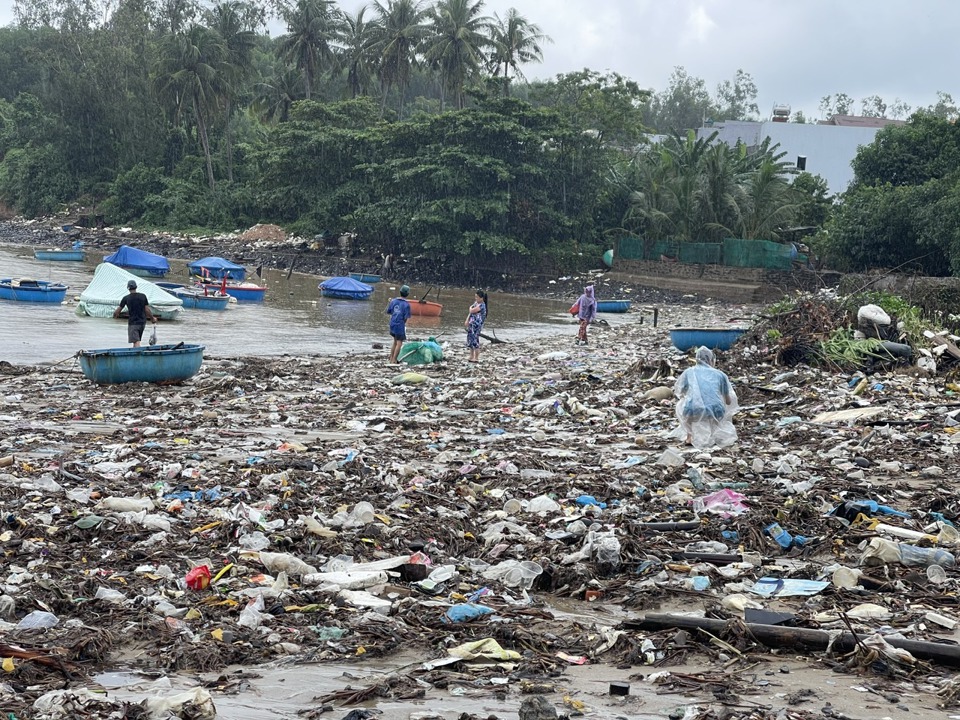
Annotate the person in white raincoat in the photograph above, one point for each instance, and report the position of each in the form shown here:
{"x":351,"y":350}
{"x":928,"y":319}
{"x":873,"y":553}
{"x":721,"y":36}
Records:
{"x":706,"y":404}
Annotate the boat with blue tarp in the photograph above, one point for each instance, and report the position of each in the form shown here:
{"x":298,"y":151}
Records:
{"x":152,"y":364}
{"x":139,"y":262}
{"x":196,"y":298}
{"x":345,"y":288}
{"x":217,"y":268}
{"x":30,"y":290}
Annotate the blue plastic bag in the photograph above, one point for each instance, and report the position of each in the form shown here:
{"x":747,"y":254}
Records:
{"x":465,"y":612}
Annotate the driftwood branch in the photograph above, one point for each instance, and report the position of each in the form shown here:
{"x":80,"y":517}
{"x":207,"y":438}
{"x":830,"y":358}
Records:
{"x":779,"y":636}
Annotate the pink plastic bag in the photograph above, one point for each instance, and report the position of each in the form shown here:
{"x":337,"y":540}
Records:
{"x":724,"y":502}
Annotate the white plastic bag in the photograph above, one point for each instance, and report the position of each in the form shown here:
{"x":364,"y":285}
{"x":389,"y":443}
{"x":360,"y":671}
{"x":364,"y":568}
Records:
{"x":252,"y":615}
{"x":872,"y":315}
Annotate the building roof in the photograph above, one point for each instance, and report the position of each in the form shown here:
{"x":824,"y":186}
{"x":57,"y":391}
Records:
{"x":858,"y":121}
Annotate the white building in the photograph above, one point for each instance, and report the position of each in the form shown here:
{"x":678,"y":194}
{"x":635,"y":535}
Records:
{"x":826,"y":149}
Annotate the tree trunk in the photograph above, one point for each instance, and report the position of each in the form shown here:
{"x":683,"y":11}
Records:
{"x":205,"y":142}
{"x":228,"y":139}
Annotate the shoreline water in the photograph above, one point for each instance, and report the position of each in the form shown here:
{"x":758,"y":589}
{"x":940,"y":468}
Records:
{"x":296,"y":253}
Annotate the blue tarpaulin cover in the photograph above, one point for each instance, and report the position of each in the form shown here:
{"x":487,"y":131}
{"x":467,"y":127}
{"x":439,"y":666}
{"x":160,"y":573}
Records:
{"x":131,"y":257}
{"x":344,"y":287}
{"x":217,"y":267}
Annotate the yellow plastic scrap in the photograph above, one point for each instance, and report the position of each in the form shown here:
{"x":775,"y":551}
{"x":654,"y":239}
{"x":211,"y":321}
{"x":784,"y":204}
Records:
{"x":193,"y":614}
{"x":204,"y":528}
{"x":577,"y":705}
{"x":8,"y":665}
{"x":181,"y":441}
{"x":217,"y":634}
{"x":487,"y":649}
{"x":214,"y":601}
{"x":409,"y":378}
{"x":222,"y":572}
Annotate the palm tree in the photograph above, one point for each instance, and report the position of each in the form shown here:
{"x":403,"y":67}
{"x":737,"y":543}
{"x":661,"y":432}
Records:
{"x":651,"y":209}
{"x":459,"y":35}
{"x":275,"y":97}
{"x":516,"y":41}
{"x":311,"y":29}
{"x":233,"y":21}
{"x":722,"y":194}
{"x":357,"y":37}
{"x":190,"y":73}
{"x":399,"y":32}
{"x":770,"y":205}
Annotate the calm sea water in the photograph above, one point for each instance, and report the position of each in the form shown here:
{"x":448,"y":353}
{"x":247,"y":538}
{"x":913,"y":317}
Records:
{"x":294,"y":319}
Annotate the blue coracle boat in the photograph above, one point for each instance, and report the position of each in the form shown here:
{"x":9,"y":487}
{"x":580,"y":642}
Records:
{"x":345,"y":288}
{"x":713,"y":338}
{"x":26,"y":290}
{"x":60,"y":255}
{"x":365,"y":277}
{"x":613,"y":306}
{"x":195,"y":298}
{"x":153,"y":364}
{"x":244,"y":292}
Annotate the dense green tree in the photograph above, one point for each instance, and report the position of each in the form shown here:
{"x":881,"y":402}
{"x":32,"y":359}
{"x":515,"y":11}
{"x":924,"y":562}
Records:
{"x":609,"y":105}
{"x":814,"y":204}
{"x":684,"y":105}
{"x":839,"y":104}
{"x":898,"y":211}
{"x":926,"y":148}
{"x":737,"y":98}
{"x":945,"y":107}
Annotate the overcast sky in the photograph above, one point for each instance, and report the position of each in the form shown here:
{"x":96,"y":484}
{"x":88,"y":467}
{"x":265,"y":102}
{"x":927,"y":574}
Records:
{"x":796,"y":50}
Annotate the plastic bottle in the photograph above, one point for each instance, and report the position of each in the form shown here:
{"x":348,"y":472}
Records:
{"x":781,"y":536}
{"x":912,"y":555}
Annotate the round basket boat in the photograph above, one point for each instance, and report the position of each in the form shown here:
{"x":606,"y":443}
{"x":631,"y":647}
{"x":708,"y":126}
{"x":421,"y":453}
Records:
{"x":713,"y":338}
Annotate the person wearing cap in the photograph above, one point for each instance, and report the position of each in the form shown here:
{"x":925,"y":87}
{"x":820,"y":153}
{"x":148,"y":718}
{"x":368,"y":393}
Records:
{"x":399,"y":312}
{"x":138,"y":312}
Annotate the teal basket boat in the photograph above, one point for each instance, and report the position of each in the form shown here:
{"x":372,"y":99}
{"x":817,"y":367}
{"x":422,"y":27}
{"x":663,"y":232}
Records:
{"x":155,"y":364}
{"x":713,"y":338}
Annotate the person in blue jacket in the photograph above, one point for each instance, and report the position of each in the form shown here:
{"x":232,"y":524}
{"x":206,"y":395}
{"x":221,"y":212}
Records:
{"x":399,"y":312}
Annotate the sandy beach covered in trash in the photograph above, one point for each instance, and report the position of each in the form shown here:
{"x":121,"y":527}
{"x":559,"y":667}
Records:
{"x":463,"y":543}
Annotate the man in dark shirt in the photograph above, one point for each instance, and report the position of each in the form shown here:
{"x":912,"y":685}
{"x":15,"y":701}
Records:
{"x":138,"y":312}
